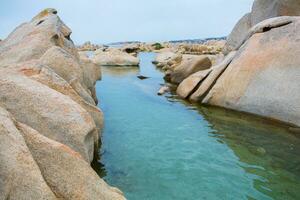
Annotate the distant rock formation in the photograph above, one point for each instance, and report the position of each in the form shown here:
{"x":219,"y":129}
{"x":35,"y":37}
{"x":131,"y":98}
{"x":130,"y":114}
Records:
{"x":88,"y":46}
{"x":114,"y":57}
{"x":50,"y":124}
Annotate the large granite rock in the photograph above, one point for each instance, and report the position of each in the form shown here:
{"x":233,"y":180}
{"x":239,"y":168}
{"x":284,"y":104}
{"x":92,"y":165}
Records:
{"x":265,"y":9}
{"x":47,"y":95}
{"x":167,"y":58}
{"x":263,"y":78}
{"x":238,"y":34}
{"x":191,"y":83}
{"x":188,"y":66}
{"x":70,"y":177}
{"x":48,"y":111}
{"x":209,"y":81}
{"x":261,"y":10}
{"x":20,"y":177}
{"x":68,"y":67}
{"x":114,"y":57}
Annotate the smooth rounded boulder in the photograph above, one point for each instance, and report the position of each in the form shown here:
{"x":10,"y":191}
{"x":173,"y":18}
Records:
{"x":265,"y":9}
{"x":114,"y":57}
{"x":263,"y":78}
{"x":188,"y":66}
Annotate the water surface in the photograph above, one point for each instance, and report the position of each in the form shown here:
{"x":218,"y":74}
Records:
{"x":161,"y":148}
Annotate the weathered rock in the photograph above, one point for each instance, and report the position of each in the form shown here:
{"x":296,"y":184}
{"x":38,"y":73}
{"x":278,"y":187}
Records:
{"x":114,"y":57}
{"x":167,"y":59}
{"x":46,"y":86}
{"x":191,"y":83}
{"x":32,"y":39}
{"x":266,"y":25}
{"x":91,"y":74}
{"x":188,"y":66}
{"x":51,"y":113}
{"x":20,"y":177}
{"x":238,"y":34}
{"x":208,"y":82}
{"x":68,"y":67}
{"x":265,"y":9}
{"x":264,"y":76}
{"x":164,"y":89}
{"x":46,"y":76}
{"x":67,"y":174}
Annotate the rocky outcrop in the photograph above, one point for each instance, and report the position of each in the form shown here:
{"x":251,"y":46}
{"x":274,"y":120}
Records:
{"x":216,"y":72}
{"x":263,"y":77}
{"x":88,"y":46}
{"x":265,"y":9}
{"x":260,"y":73}
{"x":167,"y":59}
{"x":114,"y":57}
{"x":238,"y":34}
{"x":188,"y":66}
{"x":190,"y":84}
{"x":49,"y":120}
{"x":18,"y":169}
{"x":261,"y":10}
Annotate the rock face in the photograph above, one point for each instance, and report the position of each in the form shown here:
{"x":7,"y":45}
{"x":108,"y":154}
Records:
{"x":188,"y":85}
{"x":50,"y":124}
{"x":208,"y":82}
{"x":265,"y":9}
{"x":263,"y":78}
{"x":260,"y":73}
{"x":114,"y":57}
{"x":238,"y":34}
{"x":188,"y":66}
{"x":261,"y":10}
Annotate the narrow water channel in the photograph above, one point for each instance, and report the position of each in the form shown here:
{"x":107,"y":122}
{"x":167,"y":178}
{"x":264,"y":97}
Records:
{"x":161,"y":148}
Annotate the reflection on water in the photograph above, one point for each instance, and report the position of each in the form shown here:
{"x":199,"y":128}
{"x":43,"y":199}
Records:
{"x":165,"y":148}
{"x":116,"y":71}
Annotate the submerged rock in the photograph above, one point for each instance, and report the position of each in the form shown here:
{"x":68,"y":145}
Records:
{"x":142,"y":77}
{"x":163,"y":90}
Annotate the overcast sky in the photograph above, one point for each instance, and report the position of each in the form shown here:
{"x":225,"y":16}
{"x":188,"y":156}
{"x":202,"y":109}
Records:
{"x":104,"y":21}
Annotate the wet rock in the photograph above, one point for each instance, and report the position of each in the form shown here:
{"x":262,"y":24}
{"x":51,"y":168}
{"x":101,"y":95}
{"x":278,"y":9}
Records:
{"x":163,"y":90}
{"x":142,"y":77}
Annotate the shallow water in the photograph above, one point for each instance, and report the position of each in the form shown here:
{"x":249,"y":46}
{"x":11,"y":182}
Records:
{"x":161,"y":148}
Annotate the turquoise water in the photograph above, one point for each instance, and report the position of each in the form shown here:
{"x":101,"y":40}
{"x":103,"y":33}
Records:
{"x":161,"y":148}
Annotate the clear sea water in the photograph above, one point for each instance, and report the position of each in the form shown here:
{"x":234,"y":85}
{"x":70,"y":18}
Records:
{"x":162,"y":148}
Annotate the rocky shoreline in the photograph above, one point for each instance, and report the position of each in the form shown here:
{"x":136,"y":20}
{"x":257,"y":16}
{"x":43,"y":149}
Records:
{"x":257,"y":71}
{"x":254,"y":71}
{"x":50,"y":124}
